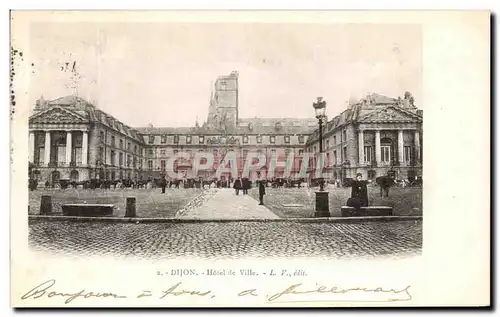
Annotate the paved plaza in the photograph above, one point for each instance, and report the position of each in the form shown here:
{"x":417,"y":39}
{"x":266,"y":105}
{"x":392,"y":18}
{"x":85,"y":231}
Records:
{"x":225,"y":204}
{"x":234,"y":239}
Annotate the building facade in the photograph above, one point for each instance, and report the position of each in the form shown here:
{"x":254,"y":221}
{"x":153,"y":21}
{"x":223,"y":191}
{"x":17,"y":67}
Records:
{"x":73,"y":140}
{"x":224,"y":131}
{"x":374,"y":136}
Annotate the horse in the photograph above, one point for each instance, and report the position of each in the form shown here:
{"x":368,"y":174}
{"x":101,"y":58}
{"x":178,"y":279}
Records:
{"x":384,"y":182}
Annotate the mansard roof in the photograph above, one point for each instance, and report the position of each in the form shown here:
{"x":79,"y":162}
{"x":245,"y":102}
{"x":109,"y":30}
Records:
{"x":276,"y":125}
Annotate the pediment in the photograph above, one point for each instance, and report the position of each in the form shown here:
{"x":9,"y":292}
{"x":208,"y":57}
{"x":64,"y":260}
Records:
{"x":58,"y":115}
{"x":390,"y":114}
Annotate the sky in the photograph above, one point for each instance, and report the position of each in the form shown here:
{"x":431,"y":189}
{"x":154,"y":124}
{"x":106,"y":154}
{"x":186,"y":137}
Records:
{"x":163,"y":73}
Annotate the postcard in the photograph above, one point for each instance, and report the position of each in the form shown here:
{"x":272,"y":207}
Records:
{"x":250,"y":158}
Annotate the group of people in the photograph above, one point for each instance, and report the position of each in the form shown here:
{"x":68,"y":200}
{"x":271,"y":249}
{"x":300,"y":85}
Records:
{"x":245,"y":184}
{"x":241,"y":184}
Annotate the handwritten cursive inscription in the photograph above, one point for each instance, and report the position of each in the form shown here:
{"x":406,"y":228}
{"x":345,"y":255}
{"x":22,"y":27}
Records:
{"x":294,"y":290}
{"x":176,"y":292}
{"x":42,"y":290}
{"x":292,"y":293}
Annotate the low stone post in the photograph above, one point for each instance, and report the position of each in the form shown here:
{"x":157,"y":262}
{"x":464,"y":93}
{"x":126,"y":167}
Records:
{"x":46,"y":205}
{"x":130,"y":211}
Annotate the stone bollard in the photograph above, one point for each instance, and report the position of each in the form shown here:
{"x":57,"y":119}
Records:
{"x":130,"y":210}
{"x":46,"y":205}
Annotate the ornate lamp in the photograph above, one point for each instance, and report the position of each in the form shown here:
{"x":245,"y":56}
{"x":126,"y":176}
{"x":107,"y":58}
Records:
{"x":322,"y":202}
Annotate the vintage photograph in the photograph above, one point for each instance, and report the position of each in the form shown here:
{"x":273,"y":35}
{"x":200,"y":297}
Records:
{"x":249,"y":159}
{"x":221,"y":140}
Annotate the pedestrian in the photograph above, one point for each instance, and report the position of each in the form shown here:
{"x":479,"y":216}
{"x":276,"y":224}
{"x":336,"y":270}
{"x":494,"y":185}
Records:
{"x":262,"y":192}
{"x":237,"y":185}
{"x":359,"y":193}
{"x":163,"y":184}
{"x":246,"y":186}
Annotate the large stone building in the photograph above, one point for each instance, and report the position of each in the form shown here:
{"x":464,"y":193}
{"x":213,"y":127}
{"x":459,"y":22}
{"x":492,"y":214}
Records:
{"x":71,"y":139}
{"x":374,"y":136}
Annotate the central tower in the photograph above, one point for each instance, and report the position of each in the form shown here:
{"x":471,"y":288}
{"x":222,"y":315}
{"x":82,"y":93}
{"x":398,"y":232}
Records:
{"x":223,"y":111}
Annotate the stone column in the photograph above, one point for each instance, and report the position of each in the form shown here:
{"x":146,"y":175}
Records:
{"x":400,"y":148}
{"x":417,"y":146}
{"x":85,"y":145}
{"x":31,"y":147}
{"x":46,"y":158}
{"x":68,"y":147}
{"x":361,"y":147}
{"x":377,"y":147}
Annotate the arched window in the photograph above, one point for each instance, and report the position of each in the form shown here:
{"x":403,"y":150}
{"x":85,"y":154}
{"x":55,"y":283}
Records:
{"x":386,"y":150}
{"x":56,"y":176}
{"x":73,"y":176}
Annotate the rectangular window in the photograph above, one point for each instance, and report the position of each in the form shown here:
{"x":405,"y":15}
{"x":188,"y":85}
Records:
{"x":120,"y":159}
{"x":201,"y":139}
{"x":101,"y":136}
{"x":163,"y":152}
{"x":162,"y":164}
{"x":128,"y":146}
{"x":385,"y":152}
{"x":301,"y":152}
{"x":327,"y":144}
{"x":245,"y":139}
{"x":121,"y":144}
{"x":100,"y":155}
{"x":272,"y":139}
{"x":287,"y":139}
{"x":150,"y":152}
{"x":135,"y":149}
{"x":345,"y":153}
{"x":176,"y":139}
{"x":151,"y":139}
{"x":112,"y":157}
{"x":301,"y":139}
{"x":188,"y":139}
{"x":176,"y":151}
{"x":163,"y":139}
{"x":345,"y":135}
{"x":368,"y":154}
{"x":259,"y":139}
{"x":150,"y":165}
{"x":334,"y":139}
{"x":335,"y":157}
{"x":113,"y":140}
{"x":407,"y":154}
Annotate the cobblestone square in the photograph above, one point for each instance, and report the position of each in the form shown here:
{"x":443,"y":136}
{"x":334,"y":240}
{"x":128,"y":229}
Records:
{"x":226,"y":240}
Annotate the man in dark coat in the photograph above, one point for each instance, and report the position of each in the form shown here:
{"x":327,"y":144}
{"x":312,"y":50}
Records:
{"x":246,"y":185}
{"x":262,"y":192}
{"x":237,"y":185}
{"x":359,"y":193}
{"x":163,"y":183}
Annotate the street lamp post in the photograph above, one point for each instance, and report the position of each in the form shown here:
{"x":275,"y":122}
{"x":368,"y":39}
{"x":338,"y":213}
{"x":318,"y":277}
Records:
{"x":322,"y":201}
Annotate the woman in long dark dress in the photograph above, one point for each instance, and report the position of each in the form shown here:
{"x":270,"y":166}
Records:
{"x":359,"y":193}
